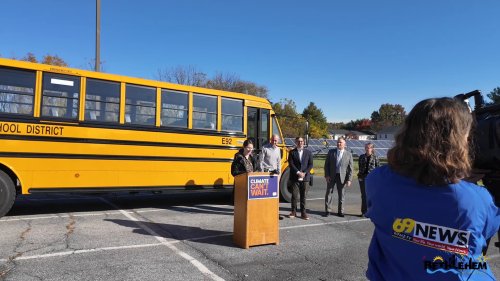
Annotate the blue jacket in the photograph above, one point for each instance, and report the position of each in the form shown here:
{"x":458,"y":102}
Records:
{"x":428,"y":232}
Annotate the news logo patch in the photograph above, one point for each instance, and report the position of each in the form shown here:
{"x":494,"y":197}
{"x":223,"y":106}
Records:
{"x":431,"y":235}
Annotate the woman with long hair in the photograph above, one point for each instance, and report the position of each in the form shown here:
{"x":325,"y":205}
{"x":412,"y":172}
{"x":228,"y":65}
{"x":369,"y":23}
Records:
{"x":429,"y":223}
{"x":243,"y":161}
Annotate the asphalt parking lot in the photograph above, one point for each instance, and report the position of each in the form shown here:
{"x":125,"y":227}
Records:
{"x":177,"y":237}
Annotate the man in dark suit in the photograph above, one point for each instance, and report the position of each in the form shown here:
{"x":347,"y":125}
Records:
{"x":300,"y":161}
{"x":338,"y":171}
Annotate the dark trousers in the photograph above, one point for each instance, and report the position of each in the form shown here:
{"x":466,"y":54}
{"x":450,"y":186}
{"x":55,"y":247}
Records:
{"x":363,"y":196}
{"x":301,"y":188}
{"x":335,"y":181}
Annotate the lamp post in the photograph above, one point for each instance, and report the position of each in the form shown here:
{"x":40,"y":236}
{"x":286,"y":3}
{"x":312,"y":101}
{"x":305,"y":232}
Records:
{"x":98,"y":36}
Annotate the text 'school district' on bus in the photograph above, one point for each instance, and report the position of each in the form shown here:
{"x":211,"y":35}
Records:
{"x":71,"y":130}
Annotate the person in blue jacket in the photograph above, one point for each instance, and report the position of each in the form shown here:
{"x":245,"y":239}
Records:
{"x":430,"y":224}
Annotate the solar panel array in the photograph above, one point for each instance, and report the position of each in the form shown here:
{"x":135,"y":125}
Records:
{"x":357,"y":147}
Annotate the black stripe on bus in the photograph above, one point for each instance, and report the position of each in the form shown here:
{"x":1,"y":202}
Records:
{"x":130,"y":189}
{"x":111,"y":157}
{"x":116,"y":126}
{"x":114,"y":142}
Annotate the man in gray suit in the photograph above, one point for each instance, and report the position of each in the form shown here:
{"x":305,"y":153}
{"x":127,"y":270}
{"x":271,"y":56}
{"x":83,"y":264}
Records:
{"x":338,"y":172}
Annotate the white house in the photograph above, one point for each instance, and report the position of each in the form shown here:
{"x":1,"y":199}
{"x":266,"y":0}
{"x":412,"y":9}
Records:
{"x":356,"y":135}
{"x":388,"y":133}
{"x":335,"y":134}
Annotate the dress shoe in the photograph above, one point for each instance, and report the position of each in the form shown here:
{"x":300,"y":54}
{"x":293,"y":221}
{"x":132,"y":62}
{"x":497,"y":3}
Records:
{"x":341,"y":215}
{"x":304,"y":216}
{"x":292,"y":215}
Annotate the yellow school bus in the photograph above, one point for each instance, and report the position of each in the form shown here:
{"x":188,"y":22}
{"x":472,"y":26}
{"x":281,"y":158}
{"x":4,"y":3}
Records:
{"x":72,"y":130}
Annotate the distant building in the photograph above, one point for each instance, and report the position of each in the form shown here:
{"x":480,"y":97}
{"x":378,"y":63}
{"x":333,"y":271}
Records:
{"x":335,"y":134}
{"x":350,"y":134}
{"x":388,"y":133}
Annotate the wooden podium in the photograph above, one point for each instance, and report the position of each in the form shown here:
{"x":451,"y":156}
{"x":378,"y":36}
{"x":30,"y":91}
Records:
{"x":256,"y":209}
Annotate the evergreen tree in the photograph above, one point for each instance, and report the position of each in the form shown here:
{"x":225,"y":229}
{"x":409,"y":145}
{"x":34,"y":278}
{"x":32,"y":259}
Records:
{"x":318,"y":126}
{"x":494,"y":95}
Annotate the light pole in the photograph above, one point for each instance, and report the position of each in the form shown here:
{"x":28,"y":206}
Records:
{"x":98,"y":36}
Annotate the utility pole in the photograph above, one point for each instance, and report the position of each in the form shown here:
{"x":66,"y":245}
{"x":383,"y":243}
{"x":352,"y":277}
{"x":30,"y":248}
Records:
{"x":98,"y":36}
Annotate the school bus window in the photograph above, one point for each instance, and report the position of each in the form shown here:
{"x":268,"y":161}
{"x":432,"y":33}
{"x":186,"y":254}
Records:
{"x":174,"y":109}
{"x":276,"y":130}
{"x":252,"y":121}
{"x":17,"y":90}
{"x":204,"y":112}
{"x":60,"y":96}
{"x":264,"y":126}
{"x":140,"y":105}
{"x":102,"y":101}
{"x":232,"y":115}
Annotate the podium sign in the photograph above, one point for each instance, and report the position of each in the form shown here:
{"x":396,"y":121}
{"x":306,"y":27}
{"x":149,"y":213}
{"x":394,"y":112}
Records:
{"x":256,"y":209}
{"x":262,"y":187}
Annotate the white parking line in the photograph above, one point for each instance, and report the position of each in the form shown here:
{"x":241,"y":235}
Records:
{"x":163,"y":241}
{"x":7,"y":219}
{"x":202,"y":268}
{"x":67,"y":253}
{"x":323,"y":223}
{"x":65,"y":215}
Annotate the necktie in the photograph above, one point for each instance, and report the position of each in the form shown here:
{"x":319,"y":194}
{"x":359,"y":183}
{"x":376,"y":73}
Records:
{"x":339,"y":158}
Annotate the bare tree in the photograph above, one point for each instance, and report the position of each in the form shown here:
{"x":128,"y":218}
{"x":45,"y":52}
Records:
{"x":251,"y":89}
{"x":29,"y":57}
{"x":232,"y":82}
{"x":90,"y":65}
{"x":189,"y":75}
{"x":221,"y":81}
{"x":47,"y":59}
{"x":53,"y":60}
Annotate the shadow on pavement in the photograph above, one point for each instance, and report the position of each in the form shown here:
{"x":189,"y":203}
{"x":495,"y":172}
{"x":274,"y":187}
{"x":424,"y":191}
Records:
{"x":53,"y":203}
{"x":180,"y":232}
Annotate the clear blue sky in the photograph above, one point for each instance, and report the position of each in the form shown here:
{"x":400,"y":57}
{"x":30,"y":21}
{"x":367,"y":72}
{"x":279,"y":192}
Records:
{"x":348,"y":57}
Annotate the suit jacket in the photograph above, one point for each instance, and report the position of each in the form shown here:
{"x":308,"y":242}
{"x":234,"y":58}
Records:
{"x":346,"y":165}
{"x":296,"y":165}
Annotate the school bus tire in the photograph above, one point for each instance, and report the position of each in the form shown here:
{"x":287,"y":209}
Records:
{"x":285,"y":193}
{"x":7,"y":193}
